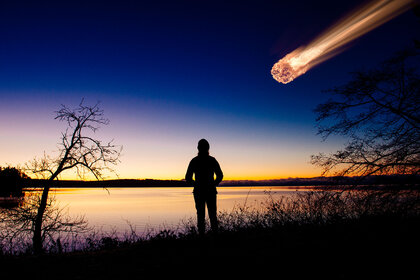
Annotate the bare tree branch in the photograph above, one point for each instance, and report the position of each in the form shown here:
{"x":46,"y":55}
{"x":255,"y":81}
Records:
{"x":379,"y":112}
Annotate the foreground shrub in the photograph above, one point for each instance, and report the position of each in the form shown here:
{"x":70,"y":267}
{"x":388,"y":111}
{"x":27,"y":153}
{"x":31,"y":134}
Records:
{"x":322,"y":207}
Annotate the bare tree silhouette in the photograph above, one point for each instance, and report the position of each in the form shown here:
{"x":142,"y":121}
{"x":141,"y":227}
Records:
{"x":78,"y":150}
{"x":57,"y":230}
{"x":379,"y":112}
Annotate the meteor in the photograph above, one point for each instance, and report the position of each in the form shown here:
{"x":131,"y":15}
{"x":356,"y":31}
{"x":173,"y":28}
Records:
{"x":331,"y":41}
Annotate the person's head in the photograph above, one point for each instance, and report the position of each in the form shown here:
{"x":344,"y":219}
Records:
{"x":203,"y":147}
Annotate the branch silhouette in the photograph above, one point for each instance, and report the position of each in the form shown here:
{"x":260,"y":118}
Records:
{"x":78,"y":150}
{"x":379,"y":112}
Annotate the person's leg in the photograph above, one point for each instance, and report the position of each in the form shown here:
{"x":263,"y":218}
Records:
{"x":200,"y":206}
{"x":212,"y":208}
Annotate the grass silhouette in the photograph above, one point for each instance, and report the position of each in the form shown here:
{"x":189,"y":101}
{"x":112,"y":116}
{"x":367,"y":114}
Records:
{"x":337,"y":235}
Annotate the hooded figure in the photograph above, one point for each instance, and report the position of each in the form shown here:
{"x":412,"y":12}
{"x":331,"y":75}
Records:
{"x":204,"y":167}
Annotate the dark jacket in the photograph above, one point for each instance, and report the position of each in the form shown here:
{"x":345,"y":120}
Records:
{"x":204,"y":167}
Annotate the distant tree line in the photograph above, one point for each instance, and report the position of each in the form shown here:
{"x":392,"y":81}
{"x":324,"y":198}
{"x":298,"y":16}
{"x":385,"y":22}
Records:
{"x":12,"y":181}
{"x":394,"y":181}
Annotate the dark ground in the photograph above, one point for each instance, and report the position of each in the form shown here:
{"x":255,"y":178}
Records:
{"x":380,"y":248}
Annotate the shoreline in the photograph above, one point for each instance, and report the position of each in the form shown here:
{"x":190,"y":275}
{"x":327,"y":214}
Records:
{"x":315,"y":182}
{"x":303,"y":251}
{"x":322,"y":238}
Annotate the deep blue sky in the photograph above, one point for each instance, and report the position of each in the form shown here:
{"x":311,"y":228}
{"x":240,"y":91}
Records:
{"x":168,"y":71}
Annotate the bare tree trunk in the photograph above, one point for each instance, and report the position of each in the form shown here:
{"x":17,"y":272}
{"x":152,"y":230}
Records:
{"x":37,"y":238}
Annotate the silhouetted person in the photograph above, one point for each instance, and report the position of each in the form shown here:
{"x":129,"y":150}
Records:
{"x":204,"y":167}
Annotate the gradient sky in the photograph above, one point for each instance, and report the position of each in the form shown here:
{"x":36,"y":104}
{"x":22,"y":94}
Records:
{"x":168,"y":73}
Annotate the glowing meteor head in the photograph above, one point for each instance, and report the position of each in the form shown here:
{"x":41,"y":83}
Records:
{"x":289,"y":68}
{"x":282,"y":72}
{"x":332,"y":41}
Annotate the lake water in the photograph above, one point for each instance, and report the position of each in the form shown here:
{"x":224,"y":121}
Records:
{"x":116,"y":209}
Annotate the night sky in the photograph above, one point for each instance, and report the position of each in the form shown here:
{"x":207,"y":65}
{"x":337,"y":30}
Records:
{"x":168,"y":73}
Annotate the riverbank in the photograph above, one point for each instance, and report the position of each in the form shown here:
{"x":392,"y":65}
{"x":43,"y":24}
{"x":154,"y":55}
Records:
{"x":381,"y":247}
{"x":334,"y":235}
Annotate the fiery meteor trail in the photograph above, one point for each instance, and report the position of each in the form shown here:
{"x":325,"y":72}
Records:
{"x":332,"y":40}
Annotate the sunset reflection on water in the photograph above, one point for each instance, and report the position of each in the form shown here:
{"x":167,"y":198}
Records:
{"x":116,"y":209}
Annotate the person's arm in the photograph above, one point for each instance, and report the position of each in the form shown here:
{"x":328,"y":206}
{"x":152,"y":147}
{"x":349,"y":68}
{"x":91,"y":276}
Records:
{"x":218,"y":172}
{"x":189,"y":174}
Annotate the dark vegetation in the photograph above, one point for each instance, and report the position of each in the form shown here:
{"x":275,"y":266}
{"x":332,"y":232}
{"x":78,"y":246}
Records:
{"x":333,"y":234}
{"x":12,"y":181}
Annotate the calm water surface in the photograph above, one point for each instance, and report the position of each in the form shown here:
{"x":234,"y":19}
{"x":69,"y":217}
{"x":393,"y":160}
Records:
{"x":116,"y":209}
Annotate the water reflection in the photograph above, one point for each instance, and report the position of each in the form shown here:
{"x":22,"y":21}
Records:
{"x":7,"y":202}
{"x":18,"y":220}
{"x":120,"y":209}
{"x":72,"y":212}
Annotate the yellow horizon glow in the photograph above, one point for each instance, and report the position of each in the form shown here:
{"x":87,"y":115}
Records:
{"x":154,"y":152}
{"x":177,"y":176}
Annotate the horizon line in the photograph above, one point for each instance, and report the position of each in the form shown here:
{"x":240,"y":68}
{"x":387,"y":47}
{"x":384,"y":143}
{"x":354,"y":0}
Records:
{"x":227,"y":180}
